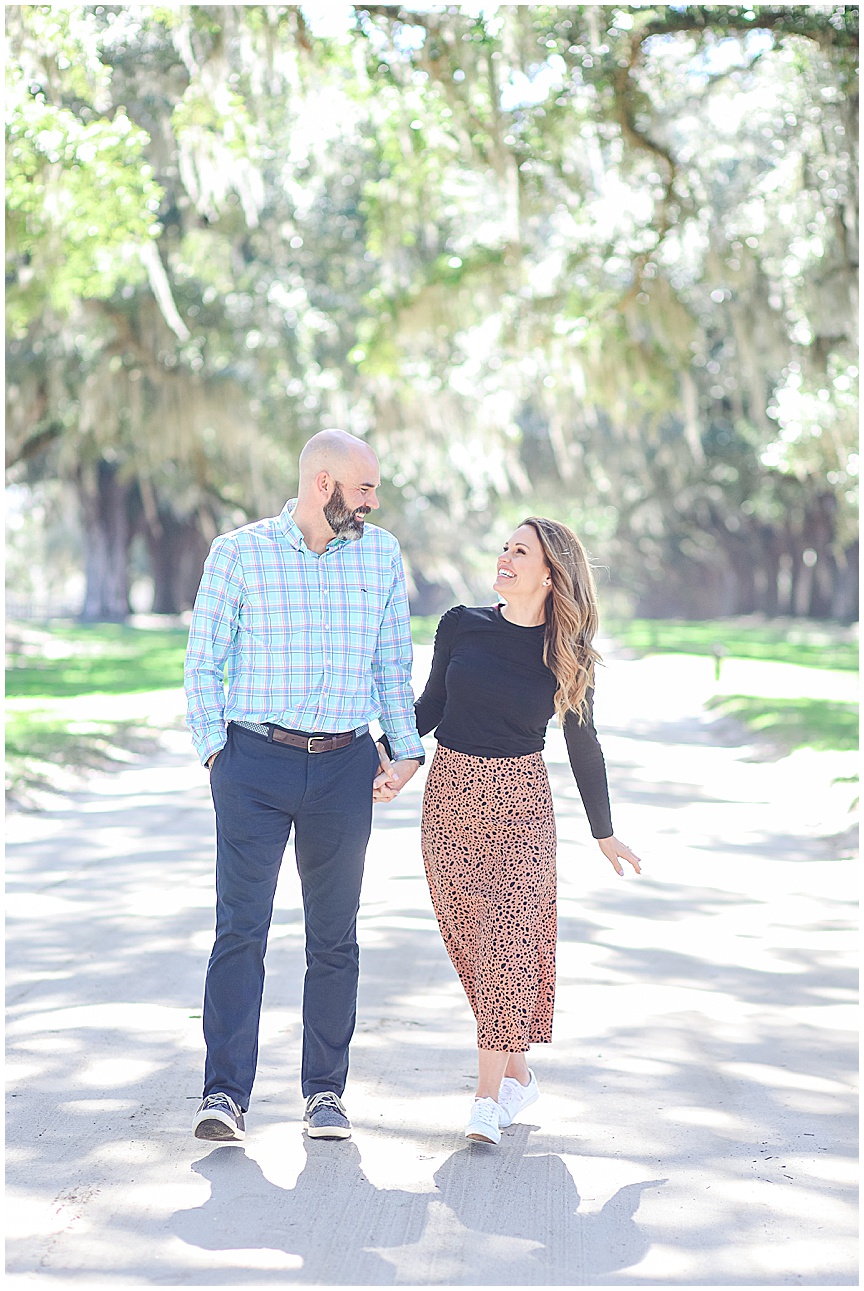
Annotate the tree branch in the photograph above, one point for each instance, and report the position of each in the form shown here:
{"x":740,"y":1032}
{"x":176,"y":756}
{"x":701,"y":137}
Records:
{"x":791,"y":20}
{"x":32,"y":447}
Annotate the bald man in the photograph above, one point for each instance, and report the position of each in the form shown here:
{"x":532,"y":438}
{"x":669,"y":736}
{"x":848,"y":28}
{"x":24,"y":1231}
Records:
{"x":309,"y":614}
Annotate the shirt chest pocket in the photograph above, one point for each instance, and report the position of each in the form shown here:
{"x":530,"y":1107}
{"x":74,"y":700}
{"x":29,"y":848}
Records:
{"x":280,"y":616}
{"x":365,"y":603}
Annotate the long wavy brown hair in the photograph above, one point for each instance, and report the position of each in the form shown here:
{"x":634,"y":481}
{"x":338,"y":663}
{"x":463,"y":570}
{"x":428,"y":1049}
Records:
{"x":571,"y":616}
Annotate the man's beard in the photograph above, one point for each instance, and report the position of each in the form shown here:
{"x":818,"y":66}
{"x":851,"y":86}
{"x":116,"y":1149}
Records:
{"x":342,"y":521}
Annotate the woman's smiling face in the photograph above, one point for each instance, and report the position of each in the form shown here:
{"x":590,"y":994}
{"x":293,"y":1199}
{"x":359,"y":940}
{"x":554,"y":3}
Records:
{"x":522,"y":568}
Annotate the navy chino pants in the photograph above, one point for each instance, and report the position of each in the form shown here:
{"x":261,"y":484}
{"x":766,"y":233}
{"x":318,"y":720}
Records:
{"x":260,"y":790}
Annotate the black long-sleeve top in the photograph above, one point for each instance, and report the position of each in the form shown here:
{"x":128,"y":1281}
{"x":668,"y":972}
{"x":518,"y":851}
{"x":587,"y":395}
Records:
{"x":490,"y":695}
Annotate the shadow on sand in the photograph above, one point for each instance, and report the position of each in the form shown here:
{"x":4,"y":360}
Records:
{"x":498,"y":1217}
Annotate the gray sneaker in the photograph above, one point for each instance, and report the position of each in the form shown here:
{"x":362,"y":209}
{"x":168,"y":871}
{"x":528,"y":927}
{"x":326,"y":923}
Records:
{"x":325,"y":1117}
{"x":219,"y":1120}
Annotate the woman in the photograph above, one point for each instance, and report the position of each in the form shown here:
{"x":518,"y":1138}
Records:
{"x":488,"y":831}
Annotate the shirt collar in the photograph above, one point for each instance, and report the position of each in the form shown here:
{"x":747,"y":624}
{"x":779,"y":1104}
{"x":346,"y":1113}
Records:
{"x":285,"y":524}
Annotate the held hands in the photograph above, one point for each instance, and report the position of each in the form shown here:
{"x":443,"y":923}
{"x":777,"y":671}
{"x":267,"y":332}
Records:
{"x":392,"y":776}
{"x":391,"y":779}
{"x":612,"y":849}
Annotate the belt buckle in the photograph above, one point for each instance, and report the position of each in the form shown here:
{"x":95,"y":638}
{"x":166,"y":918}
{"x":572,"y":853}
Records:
{"x":311,"y":740}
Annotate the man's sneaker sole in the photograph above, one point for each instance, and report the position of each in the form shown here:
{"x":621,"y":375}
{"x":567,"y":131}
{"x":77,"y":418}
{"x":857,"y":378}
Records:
{"x":325,"y":1117}
{"x":328,"y":1132}
{"x":213,"y":1128}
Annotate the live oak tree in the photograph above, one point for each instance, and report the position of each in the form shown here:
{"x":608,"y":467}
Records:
{"x":666,"y":217}
{"x":590,"y":259}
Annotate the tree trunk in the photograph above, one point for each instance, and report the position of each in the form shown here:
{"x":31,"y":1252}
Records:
{"x":105,"y":501}
{"x":844,"y":602}
{"x":802,"y":599}
{"x":823,"y":540}
{"x":178,"y":549}
{"x":741,"y":558}
{"x":766,"y":571}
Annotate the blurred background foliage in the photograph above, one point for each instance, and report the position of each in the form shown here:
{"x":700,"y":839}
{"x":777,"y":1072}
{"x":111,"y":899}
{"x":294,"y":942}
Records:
{"x":593,"y":261}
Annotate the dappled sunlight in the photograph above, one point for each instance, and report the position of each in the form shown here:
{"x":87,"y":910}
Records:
{"x":277,"y":1022}
{"x":107,"y":1073}
{"x":24,"y":1073}
{"x":595,"y":261}
{"x":114,"y":1018}
{"x":130,"y":1151}
{"x":844,"y":1173}
{"x":38,"y":905}
{"x":87,"y":1106}
{"x":375,"y":926}
{"x":260,"y":1259}
{"x":53,"y":1043}
{"x":28,"y":1217}
{"x":694,"y":1010}
{"x":713,"y":1118}
{"x":158,"y":905}
{"x":784,"y":1079}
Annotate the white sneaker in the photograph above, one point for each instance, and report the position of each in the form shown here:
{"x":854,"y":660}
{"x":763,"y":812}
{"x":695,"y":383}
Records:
{"x":514,"y":1098}
{"x":483,"y":1126}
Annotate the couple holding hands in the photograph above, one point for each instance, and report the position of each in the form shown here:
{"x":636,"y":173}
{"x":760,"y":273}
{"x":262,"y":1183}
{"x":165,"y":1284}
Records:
{"x":305,"y":617}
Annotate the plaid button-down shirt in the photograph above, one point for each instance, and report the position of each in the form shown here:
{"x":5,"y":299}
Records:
{"x":312,"y":642}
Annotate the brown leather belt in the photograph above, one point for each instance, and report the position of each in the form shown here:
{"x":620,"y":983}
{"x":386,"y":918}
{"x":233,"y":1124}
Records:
{"x":308,"y":743}
{"x":312,"y":743}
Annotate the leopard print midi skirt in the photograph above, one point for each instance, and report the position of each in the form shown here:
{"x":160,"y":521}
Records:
{"x":488,"y":838}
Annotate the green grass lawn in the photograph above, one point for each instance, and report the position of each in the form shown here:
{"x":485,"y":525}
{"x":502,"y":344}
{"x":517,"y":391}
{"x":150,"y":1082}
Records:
{"x":812,"y":645}
{"x":423,"y":628}
{"x":788,"y":724}
{"x":106,"y":658}
{"x":37,"y":740}
{"x":794,"y":723}
{"x":53,"y":662}
{"x":58,"y":661}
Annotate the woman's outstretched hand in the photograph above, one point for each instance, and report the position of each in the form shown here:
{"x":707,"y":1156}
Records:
{"x":612,"y":849}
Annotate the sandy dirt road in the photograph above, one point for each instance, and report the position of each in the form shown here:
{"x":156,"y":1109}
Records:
{"x":696,"y":1124}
